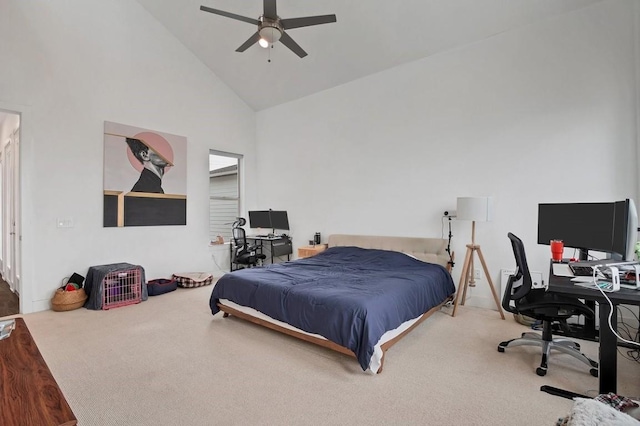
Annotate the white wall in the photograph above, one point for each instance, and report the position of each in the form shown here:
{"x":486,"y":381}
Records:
{"x":547,"y":113}
{"x":70,"y":65}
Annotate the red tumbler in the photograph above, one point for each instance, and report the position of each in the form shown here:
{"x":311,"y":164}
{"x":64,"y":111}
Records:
{"x":557,"y":250}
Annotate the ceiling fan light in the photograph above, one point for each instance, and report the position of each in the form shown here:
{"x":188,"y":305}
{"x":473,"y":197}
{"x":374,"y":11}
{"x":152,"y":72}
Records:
{"x":270,"y":35}
{"x":263,"y":43}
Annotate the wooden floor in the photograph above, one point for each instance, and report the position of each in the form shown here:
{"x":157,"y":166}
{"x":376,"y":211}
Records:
{"x":29,"y":394}
{"x":9,"y":302}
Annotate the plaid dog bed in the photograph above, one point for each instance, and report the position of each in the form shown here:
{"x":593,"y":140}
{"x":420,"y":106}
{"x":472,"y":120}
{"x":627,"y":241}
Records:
{"x":193,"y":279}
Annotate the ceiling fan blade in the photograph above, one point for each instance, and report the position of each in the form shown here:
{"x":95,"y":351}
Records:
{"x":247,"y":44}
{"x":307,"y":21}
{"x":270,"y":9}
{"x":288,"y":41}
{"x":230,"y":15}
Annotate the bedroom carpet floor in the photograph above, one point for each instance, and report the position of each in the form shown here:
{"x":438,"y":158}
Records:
{"x":168,"y":361}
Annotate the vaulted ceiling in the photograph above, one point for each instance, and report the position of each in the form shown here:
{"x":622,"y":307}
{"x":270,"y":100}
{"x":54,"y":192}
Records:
{"x":368,"y":37}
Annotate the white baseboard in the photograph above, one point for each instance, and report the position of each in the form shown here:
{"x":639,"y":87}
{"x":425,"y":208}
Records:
{"x":479,"y":301}
{"x":40,"y":305}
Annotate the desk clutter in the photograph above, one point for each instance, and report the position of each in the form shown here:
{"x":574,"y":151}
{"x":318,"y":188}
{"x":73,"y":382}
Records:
{"x":609,"y":275}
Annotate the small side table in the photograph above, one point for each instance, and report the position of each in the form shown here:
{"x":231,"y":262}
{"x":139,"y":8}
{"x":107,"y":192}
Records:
{"x":308,"y":251}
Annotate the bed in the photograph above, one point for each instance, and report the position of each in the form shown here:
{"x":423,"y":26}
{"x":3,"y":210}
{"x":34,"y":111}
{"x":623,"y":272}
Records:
{"x":358,"y":297}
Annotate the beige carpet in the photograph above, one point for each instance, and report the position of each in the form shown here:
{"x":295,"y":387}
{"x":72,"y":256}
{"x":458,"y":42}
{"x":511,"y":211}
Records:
{"x":168,"y":361}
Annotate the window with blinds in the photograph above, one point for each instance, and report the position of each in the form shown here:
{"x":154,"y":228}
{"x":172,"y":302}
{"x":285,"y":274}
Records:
{"x":224,"y":193}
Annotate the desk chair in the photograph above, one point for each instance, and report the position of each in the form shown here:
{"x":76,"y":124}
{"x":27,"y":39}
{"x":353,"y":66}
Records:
{"x":520,"y":298}
{"x":244,"y":254}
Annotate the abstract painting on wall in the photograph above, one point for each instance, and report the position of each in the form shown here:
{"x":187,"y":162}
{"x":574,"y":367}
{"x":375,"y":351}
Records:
{"x":145,"y":177}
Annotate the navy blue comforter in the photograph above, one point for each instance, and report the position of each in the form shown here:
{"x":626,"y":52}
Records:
{"x":348,"y":295}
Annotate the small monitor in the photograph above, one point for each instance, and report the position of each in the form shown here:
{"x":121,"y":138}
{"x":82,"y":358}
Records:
{"x":279,"y":220}
{"x":260,"y":219}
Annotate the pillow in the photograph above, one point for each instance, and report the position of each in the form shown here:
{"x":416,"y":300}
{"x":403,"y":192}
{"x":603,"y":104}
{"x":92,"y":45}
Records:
{"x":620,"y":403}
{"x":589,"y":412}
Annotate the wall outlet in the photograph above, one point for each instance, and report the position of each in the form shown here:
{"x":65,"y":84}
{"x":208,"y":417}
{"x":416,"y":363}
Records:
{"x":476,"y":274}
{"x":536,"y":278}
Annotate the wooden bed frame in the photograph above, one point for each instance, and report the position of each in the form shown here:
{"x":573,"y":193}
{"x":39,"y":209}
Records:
{"x":427,"y":249}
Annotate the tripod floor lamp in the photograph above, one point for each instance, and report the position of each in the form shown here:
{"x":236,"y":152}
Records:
{"x":474,"y":209}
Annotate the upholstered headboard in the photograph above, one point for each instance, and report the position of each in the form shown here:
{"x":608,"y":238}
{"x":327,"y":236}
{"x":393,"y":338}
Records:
{"x":432,"y":250}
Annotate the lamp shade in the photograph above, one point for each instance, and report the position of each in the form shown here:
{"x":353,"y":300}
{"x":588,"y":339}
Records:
{"x":474,"y":208}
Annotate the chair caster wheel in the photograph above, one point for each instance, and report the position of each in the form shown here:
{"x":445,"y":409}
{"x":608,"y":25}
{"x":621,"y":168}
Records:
{"x":500,"y":349}
{"x":541,"y":371}
{"x":594,"y":372}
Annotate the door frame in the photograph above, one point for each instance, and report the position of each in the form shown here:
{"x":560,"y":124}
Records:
{"x":25,"y":210}
{"x":9,"y":236}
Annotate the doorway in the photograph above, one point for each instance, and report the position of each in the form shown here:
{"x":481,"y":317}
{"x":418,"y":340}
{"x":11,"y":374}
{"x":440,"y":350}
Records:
{"x":10,"y":285}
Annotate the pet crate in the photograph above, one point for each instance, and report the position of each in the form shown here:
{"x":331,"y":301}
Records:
{"x":121,"y":288}
{"x":115,"y":285}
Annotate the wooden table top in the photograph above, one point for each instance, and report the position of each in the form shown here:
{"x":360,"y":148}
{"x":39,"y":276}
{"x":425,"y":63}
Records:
{"x":29,"y":394}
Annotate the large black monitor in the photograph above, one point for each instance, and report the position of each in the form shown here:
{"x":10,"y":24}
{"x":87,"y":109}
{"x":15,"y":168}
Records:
{"x":279,"y":220}
{"x":260,"y":219}
{"x":605,"y":227}
{"x":269,"y":219}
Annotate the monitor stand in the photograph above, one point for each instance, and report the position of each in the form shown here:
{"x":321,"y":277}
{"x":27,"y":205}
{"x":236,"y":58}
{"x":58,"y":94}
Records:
{"x":588,"y":331}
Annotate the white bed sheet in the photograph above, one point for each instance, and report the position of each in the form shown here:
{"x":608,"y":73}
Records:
{"x":376,"y":358}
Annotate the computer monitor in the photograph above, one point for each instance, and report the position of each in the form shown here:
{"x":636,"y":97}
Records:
{"x":607,"y":227}
{"x":279,"y":220}
{"x":627,"y":222}
{"x":260,"y":219}
{"x":269,"y":219}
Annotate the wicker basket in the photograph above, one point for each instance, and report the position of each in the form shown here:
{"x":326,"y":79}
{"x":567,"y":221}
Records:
{"x":68,"y":300}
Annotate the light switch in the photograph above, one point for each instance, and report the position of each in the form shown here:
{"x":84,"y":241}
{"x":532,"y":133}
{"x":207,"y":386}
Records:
{"x":64,"y":222}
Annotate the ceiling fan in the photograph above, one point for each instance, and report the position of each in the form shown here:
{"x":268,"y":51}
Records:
{"x":271,"y":28}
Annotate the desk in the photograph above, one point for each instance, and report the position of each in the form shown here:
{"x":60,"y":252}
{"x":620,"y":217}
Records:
{"x":278,"y":245}
{"x":29,"y":395}
{"x":608,"y":341}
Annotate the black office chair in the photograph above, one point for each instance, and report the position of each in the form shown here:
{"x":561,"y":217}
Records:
{"x":546,"y":307}
{"x":244,"y":254}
